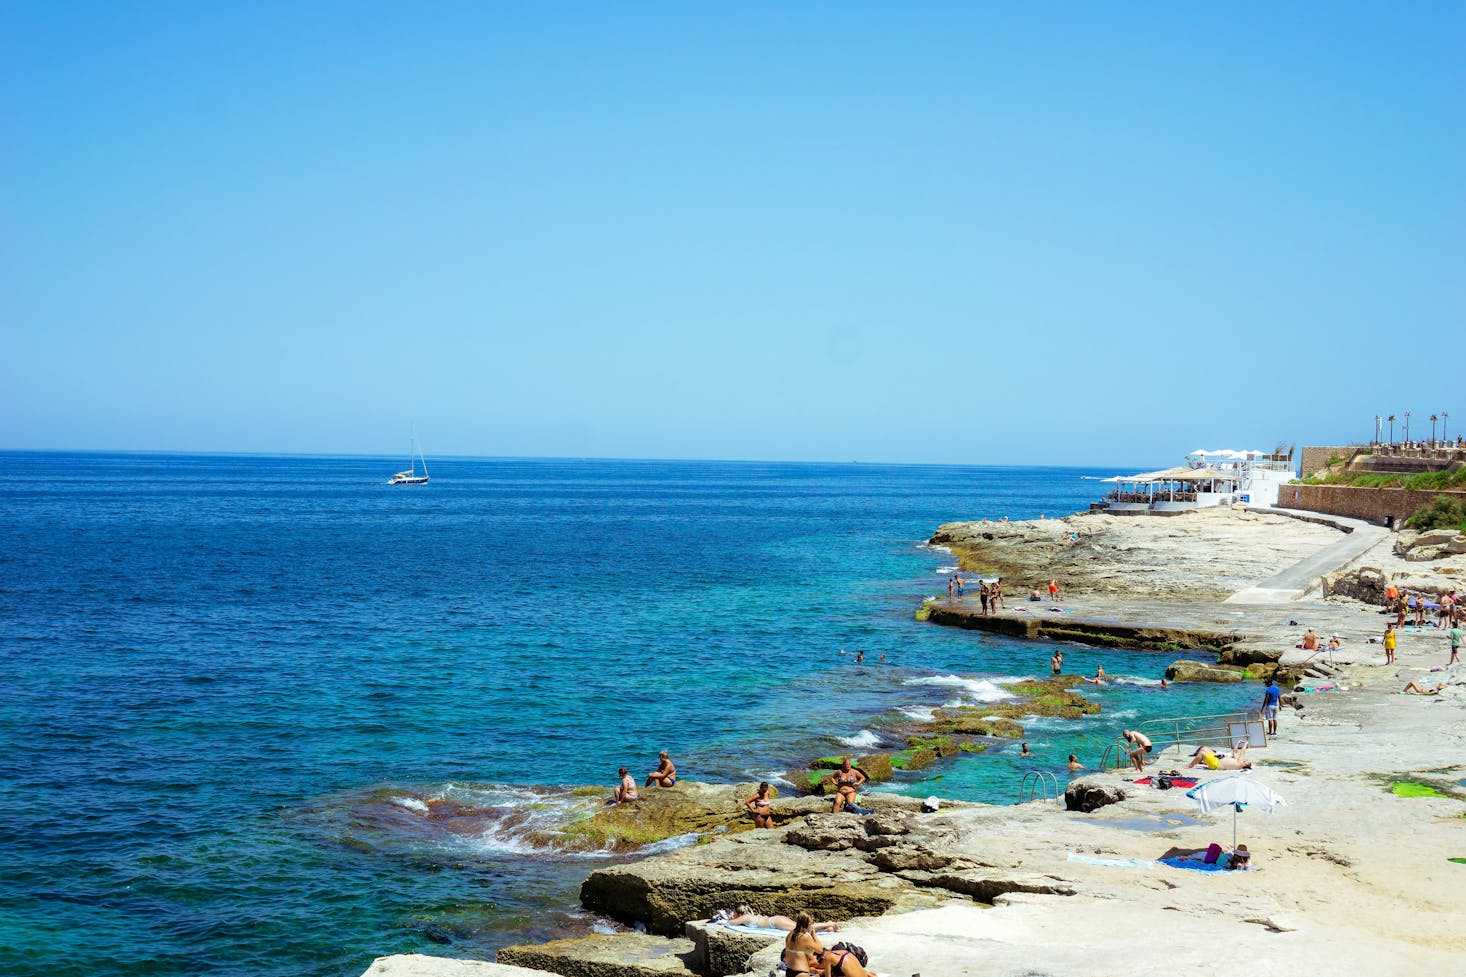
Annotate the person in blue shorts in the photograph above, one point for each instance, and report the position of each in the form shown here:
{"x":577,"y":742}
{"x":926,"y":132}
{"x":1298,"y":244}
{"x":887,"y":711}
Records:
{"x":1270,"y":700}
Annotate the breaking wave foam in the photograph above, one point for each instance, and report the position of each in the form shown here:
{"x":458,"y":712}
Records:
{"x":861,"y":740}
{"x":968,"y":689}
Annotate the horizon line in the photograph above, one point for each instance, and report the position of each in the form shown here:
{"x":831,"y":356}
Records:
{"x":146,"y":452}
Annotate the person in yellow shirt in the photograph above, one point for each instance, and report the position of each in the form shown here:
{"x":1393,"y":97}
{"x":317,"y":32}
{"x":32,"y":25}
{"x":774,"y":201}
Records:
{"x":1389,"y":644}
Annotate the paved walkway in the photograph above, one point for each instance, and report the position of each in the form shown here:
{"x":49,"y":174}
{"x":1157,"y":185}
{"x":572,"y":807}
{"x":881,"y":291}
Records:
{"x":1301,"y":577}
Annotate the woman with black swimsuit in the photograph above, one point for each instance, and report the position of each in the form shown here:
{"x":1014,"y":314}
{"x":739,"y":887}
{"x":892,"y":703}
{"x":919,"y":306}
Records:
{"x":847,"y":783}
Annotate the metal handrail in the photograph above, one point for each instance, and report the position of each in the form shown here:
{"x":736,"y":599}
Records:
{"x":1196,"y":730}
{"x":1035,"y":780}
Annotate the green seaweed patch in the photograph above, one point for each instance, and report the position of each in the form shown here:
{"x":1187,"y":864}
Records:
{"x":590,"y":791}
{"x":942,"y":746}
{"x":1405,"y":788}
{"x":948,"y":723}
{"x":915,"y":759}
{"x":923,"y":612}
{"x":827,"y":763}
{"x":1418,"y":786}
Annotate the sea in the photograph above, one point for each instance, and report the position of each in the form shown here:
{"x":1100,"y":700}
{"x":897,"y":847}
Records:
{"x":233,"y":685}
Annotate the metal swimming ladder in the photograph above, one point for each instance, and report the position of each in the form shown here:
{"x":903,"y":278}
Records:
{"x":1036,"y":781}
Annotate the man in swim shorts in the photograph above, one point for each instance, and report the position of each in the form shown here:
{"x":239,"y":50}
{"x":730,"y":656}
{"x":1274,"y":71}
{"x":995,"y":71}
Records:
{"x":1142,"y":747}
{"x":1455,"y":645}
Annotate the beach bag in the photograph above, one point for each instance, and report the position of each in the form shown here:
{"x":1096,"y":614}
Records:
{"x":1213,"y":852}
{"x":1163,"y":783}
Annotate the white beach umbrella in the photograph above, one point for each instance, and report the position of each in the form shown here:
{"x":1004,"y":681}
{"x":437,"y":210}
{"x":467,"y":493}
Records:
{"x":1236,"y":793}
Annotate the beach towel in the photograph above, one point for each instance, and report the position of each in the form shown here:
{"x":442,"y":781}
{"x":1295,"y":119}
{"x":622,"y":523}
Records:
{"x":1184,"y":782}
{"x":1195,"y":863}
{"x":757,"y":930}
{"x":1111,"y":862}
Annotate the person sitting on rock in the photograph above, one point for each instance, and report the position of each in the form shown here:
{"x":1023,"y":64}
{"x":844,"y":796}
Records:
{"x":744,"y":915}
{"x":1310,"y":640}
{"x":761,"y":808}
{"x":846,"y":960}
{"x":847,"y":784}
{"x":666,"y":773}
{"x":802,"y":949}
{"x":626,"y":793}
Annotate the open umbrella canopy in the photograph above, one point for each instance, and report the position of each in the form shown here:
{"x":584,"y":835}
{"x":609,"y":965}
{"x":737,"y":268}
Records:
{"x":1232,"y":791}
{"x":1236,"y":793}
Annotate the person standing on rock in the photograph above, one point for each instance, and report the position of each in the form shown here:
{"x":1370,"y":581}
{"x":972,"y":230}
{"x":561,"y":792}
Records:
{"x":951,"y":589}
{"x":998,"y":595}
{"x":1271,"y":697}
{"x":1455,"y":635}
{"x":985,"y":596}
{"x":761,"y":807}
{"x":1390,"y":641}
{"x":1053,"y":590}
{"x":1141,"y":744}
{"x":666,"y":773}
{"x":847,"y":785}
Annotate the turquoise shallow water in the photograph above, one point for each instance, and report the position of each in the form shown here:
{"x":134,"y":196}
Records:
{"x":229,"y":679}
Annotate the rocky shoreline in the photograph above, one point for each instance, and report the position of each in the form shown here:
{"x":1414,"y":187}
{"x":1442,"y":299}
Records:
{"x":1068,"y":888}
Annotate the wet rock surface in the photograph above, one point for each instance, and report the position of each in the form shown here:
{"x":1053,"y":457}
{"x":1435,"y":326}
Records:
{"x":1087,"y":796}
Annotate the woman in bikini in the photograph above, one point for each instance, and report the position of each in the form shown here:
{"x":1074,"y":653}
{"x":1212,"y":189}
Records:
{"x":846,"y":960}
{"x":847,"y":784}
{"x":626,"y":793}
{"x":802,"y":950}
{"x":745,"y":916}
{"x":761,"y":808}
{"x":666,"y":773}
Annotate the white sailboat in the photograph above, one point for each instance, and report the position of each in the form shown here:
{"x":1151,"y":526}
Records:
{"x":411,"y":477}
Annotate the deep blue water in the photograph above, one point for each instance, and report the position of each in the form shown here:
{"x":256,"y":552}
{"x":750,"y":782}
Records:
{"x":228,"y":681}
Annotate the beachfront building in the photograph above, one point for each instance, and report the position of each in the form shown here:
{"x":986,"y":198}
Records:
{"x":1209,"y":478}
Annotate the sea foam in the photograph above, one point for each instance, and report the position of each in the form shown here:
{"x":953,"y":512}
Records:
{"x":969,"y":689}
{"x":865,"y":739}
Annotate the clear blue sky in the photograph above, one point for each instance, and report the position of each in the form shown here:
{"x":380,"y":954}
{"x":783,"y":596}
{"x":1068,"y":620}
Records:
{"x":973,"y":233}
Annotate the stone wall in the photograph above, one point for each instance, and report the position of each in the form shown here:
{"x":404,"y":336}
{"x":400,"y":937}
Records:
{"x":1373,"y":504}
{"x":1316,"y":458}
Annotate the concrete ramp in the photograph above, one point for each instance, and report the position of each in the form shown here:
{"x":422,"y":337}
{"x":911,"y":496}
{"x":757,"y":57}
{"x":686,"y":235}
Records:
{"x":1303,"y":576}
{"x":1265,"y":595}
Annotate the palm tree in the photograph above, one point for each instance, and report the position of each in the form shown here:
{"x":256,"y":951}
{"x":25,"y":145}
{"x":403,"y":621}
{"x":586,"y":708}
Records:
{"x":1433,"y":419}
{"x":1392,"y":428}
{"x":1407,"y":427}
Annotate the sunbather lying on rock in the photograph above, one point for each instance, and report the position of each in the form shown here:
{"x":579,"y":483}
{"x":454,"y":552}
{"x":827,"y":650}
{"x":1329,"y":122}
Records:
{"x":745,"y":916}
{"x":1212,"y":760}
{"x":1415,"y":688}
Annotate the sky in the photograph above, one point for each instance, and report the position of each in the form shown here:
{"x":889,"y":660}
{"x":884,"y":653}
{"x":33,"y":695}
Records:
{"x":969,"y":233}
